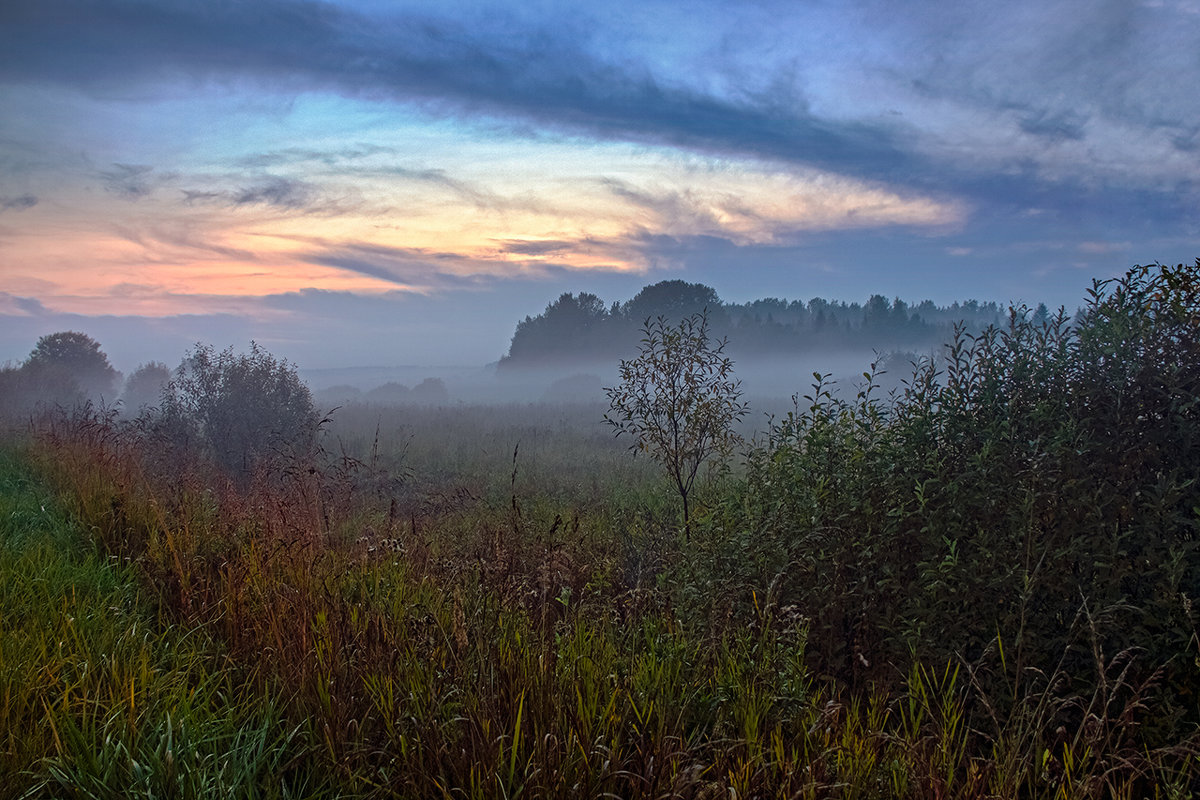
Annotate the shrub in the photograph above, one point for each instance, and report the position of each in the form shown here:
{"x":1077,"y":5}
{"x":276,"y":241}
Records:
{"x":244,"y":411}
{"x":1040,"y":482}
{"x":431,"y":391}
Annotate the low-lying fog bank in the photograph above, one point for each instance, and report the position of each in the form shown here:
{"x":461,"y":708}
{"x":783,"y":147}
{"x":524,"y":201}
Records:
{"x":769,"y":385}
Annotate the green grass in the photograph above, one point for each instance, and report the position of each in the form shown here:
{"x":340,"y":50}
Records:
{"x":100,"y":698}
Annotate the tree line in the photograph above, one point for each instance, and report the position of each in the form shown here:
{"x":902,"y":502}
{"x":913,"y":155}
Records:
{"x":581,"y":327}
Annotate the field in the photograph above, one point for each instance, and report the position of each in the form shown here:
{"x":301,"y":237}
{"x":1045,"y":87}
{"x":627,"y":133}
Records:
{"x":980,"y":586}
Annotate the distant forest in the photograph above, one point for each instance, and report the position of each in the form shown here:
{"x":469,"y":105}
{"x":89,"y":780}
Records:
{"x":582,"y":328}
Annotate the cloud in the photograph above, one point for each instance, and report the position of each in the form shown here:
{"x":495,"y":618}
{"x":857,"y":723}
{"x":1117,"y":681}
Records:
{"x":170,"y":243}
{"x":298,"y":155}
{"x":1054,"y":126}
{"x":411,"y":269}
{"x":767,"y":206}
{"x":538,"y":247}
{"x":978,"y":86}
{"x":1103,"y":248}
{"x":12,"y":305}
{"x":130,"y":181}
{"x":18,"y":203}
{"x":424,"y":271}
{"x":277,"y":193}
{"x":537,"y":73}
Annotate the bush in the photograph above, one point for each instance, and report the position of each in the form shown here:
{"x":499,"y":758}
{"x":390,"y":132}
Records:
{"x":431,"y":391}
{"x":244,"y":411}
{"x":1042,"y":486}
{"x":144,"y":388}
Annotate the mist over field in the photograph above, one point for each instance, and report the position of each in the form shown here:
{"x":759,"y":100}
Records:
{"x":768,"y":380}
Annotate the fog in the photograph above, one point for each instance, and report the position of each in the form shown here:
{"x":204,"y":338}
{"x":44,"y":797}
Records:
{"x":768,"y":384}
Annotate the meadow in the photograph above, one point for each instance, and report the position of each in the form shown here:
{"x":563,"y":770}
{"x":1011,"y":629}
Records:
{"x":978,"y":585}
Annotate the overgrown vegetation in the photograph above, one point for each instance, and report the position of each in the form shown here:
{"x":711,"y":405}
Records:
{"x":979,"y":587}
{"x":102,"y":697}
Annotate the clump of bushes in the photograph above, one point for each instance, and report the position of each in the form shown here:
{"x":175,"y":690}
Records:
{"x":242,"y":411}
{"x":1036,"y":489}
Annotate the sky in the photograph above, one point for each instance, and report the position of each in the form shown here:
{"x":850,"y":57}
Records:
{"x":367,"y":182}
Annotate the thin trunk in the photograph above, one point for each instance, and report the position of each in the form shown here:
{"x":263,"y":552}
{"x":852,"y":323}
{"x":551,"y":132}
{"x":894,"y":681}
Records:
{"x":687,"y":522}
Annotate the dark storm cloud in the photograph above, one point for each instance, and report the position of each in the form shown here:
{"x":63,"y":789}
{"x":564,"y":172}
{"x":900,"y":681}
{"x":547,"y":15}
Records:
{"x":18,"y":203}
{"x":532,"y":74}
{"x":1024,"y":75}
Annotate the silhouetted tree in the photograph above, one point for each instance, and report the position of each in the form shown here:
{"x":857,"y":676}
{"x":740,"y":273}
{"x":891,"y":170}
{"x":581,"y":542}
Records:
{"x":572,"y":327}
{"x":674,"y":300}
{"x":60,"y":359}
{"x":389,"y":393}
{"x":431,"y":391}
{"x":578,"y":328}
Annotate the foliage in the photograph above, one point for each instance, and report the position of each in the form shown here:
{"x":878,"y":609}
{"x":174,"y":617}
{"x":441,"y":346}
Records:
{"x":144,"y":387}
{"x":66,"y":370}
{"x":578,"y":329}
{"x":678,"y":400}
{"x":675,"y":300}
{"x":78,"y":356}
{"x":99,"y":698}
{"x":980,"y":587}
{"x":430,"y":391}
{"x":243,"y":411}
{"x":1040,"y":482}
{"x":571,"y":328}
{"x":497,"y":658}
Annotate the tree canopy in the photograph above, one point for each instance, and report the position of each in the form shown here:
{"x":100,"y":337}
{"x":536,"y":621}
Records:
{"x":581,"y":327}
{"x":77,"y":357}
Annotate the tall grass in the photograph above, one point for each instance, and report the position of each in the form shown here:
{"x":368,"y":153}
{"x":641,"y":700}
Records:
{"x":99,"y":698}
{"x":517,"y":671}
